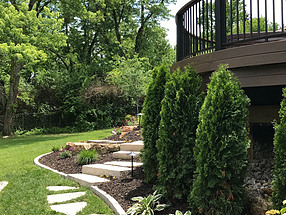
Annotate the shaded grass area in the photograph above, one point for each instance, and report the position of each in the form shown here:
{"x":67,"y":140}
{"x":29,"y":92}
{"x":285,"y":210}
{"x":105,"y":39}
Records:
{"x":26,"y":192}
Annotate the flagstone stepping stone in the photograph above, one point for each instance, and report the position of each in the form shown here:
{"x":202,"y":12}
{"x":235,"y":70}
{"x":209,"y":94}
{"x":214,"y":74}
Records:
{"x":3,"y":184}
{"x":60,"y":188}
{"x":87,"y":180}
{"x":69,"y":209}
{"x":64,"y":197}
{"x":123,"y":163}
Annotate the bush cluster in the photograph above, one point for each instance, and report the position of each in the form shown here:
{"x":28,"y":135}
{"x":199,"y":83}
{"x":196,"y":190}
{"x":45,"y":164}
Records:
{"x":221,"y":148}
{"x":201,"y":146}
{"x":151,"y":121}
{"x":179,"y":120}
{"x":279,"y":183}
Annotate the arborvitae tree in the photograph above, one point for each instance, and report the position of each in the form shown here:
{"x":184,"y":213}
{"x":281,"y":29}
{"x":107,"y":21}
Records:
{"x":279,"y":183}
{"x":221,"y":148}
{"x":151,"y":120}
{"x":179,"y":120}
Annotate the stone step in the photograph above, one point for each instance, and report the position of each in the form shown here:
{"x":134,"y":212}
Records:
{"x":123,"y":155}
{"x":133,"y":146}
{"x":123,"y":163}
{"x":63,"y":197}
{"x":103,"y":169}
{"x":87,"y":179}
{"x":104,"y":141}
{"x":60,"y":188}
{"x":69,"y":209}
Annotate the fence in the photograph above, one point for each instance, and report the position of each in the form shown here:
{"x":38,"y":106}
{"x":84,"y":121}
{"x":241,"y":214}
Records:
{"x":204,"y":26}
{"x":25,"y":121}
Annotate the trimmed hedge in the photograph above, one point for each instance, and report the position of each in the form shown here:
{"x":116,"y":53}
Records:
{"x":179,"y":120}
{"x":279,"y":182}
{"x":221,"y":148}
{"x":151,"y":120}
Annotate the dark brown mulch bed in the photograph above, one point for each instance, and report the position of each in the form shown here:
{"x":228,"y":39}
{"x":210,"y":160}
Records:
{"x":131,"y":136}
{"x":123,"y":188}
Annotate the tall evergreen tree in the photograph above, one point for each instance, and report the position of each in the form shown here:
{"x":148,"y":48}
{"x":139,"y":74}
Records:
{"x":179,"y":120}
{"x":279,"y":183}
{"x":151,"y":121}
{"x":221,"y":148}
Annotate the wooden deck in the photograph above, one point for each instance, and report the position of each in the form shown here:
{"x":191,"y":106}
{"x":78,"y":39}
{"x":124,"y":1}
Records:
{"x":256,"y":65}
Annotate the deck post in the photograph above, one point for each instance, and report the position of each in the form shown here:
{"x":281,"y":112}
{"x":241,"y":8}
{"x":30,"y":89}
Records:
{"x":180,"y":37}
{"x":220,"y":24}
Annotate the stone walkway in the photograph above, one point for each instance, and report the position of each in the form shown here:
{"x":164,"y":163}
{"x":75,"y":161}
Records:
{"x":66,"y":208}
{"x":3,"y":184}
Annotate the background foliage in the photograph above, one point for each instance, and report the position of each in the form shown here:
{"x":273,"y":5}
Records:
{"x":67,"y":57}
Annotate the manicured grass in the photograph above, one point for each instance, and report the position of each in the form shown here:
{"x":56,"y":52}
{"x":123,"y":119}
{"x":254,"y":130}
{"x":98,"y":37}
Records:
{"x":26,"y":192}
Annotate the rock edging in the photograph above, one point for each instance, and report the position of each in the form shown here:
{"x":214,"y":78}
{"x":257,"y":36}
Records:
{"x":109,"y":200}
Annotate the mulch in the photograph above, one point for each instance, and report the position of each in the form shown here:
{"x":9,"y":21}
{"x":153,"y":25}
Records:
{"x":123,"y":188}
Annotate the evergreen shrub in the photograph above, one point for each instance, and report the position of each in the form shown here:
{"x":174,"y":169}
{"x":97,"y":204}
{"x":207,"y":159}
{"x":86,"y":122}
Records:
{"x":179,"y":120}
{"x":151,"y":120}
{"x":279,"y":182}
{"x":221,"y":148}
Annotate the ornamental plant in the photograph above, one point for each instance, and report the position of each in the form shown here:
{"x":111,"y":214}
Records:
{"x":221,"y":148}
{"x":147,"y":205}
{"x":63,"y":154}
{"x":86,"y":157}
{"x":279,"y":182}
{"x":179,"y":120}
{"x":151,"y":120}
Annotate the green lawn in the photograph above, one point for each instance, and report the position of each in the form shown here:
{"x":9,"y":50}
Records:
{"x":26,"y":192}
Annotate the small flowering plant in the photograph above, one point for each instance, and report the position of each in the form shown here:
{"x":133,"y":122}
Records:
{"x":117,"y":130}
{"x":131,"y":120}
{"x":274,"y":212}
{"x":64,"y":153}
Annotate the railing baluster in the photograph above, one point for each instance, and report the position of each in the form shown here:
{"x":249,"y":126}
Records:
{"x":250,"y":18}
{"x":203,"y":13}
{"x":274,"y":16}
{"x":258,"y":19}
{"x":237,"y":20}
{"x":207,"y":21}
{"x":266,"y":22}
{"x":231,"y":33}
{"x":282,"y":16}
{"x":211,"y":23}
{"x":244,"y":19}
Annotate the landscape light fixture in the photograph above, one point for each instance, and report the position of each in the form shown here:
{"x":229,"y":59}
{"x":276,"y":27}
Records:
{"x":139,"y":114}
{"x":132,"y":154}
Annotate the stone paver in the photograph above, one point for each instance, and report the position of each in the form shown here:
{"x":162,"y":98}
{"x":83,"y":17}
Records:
{"x":123,"y":155}
{"x":64,"y":197}
{"x":123,"y":163}
{"x":86,"y":180}
{"x":69,"y":209}
{"x":60,"y":188}
{"x":3,"y":184}
{"x":102,"y":169}
{"x":133,"y":146}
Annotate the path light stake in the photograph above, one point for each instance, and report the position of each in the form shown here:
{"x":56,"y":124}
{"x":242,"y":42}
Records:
{"x":139,"y":114}
{"x":132,"y":154}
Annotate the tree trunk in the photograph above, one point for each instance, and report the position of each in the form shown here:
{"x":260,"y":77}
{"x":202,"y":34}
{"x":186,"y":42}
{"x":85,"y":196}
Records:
{"x":12,"y":98}
{"x":3,"y":98}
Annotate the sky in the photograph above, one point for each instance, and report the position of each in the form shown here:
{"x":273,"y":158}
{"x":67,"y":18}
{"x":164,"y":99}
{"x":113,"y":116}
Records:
{"x":170,"y":25}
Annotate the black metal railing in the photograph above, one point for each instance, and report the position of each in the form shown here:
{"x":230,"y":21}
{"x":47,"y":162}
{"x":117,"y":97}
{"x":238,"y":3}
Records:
{"x":204,"y":26}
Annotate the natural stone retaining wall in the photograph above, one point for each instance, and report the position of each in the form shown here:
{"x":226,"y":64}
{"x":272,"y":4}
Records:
{"x":103,"y":147}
